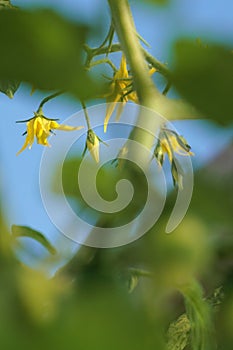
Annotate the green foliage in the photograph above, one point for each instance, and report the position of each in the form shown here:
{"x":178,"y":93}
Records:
{"x":24,"y":231}
{"x":199,"y":315}
{"x":44,"y":49}
{"x":106,"y":181}
{"x":9,"y":87}
{"x":179,"y":332}
{"x":212,"y":189}
{"x":6,"y":4}
{"x":204,"y":77}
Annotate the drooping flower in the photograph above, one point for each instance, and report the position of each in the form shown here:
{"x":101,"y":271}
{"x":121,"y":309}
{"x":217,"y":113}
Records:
{"x":169,"y":142}
{"x":121,"y":90}
{"x":41,"y":127}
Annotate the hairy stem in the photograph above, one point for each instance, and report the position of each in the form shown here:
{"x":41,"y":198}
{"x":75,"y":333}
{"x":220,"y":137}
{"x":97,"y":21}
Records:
{"x":126,"y":32}
{"x":160,"y":67}
{"x":147,"y":93}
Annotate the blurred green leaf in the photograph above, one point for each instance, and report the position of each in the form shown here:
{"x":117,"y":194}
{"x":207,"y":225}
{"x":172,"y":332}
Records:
{"x":6,"y":4}
{"x":178,"y":334}
{"x":199,"y":314}
{"x":9,"y":87}
{"x":24,"y":231}
{"x":106,"y":180}
{"x":212,"y":189}
{"x":101,"y":317}
{"x":133,"y":282}
{"x":204,"y":76}
{"x":224,"y":321}
{"x":44,"y":49}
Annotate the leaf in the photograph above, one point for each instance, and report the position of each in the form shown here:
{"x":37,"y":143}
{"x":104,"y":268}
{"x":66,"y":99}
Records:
{"x":9,"y":87}
{"x":42,"y":48}
{"x":24,"y":231}
{"x":178,"y":334}
{"x":133,"y":282}
{"x":204,"y":76}
{"x":200,"y":317}
{"x":6,"y":4}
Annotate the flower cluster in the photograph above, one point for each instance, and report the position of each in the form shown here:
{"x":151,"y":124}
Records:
{"x":120,"y":90}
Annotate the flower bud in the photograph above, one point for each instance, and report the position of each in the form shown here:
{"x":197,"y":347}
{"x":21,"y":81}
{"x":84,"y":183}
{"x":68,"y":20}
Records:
{"x":92,"y":144}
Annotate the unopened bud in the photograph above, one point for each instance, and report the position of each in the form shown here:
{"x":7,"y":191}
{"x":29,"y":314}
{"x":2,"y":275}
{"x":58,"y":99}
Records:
{"x":92,"y":144}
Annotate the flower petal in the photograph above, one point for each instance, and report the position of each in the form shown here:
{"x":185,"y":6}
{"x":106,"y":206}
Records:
{"x":29,"y":138}
{"x":123,"y":71}
{"x":120,"y":109}
{"x":152,"y":70}
{"x":42,"y":140}
{"x":110,"y":109}
{"x":55,"y":125}
{"x":23,"y":148}
{"x":166,"y":149}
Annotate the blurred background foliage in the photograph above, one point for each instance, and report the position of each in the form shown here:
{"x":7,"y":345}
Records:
{"x":161,"y":292}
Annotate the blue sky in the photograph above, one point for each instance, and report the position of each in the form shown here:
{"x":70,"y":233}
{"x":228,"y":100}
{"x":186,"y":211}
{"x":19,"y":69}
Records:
{"x":160,"y":27}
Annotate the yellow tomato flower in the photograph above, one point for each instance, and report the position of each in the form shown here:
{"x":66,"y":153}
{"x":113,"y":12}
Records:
{"x":170,"y":143}
{"x":41,"y":127}
{"x":120,"y":91}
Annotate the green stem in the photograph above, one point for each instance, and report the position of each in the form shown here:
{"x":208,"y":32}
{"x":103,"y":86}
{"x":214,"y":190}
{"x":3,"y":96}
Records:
{"x":46,"y":99}
{"x":101,"y":61}
{"x":167,"y":88}
{"x":86,"y":115}
{"x":108,"y":38}
{"x":101,"y":51}
{"x":127,"y":35}
{"x":146,"y":91}
{"x":160,"y":67}
{"x":143,"y":40}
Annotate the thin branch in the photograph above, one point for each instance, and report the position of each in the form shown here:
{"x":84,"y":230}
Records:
{"x":160,"y":67}
{"x":48,"y":98}
{"x":101,"y":61}
{"x":109,"y":37}
{"x":86,"y":115}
